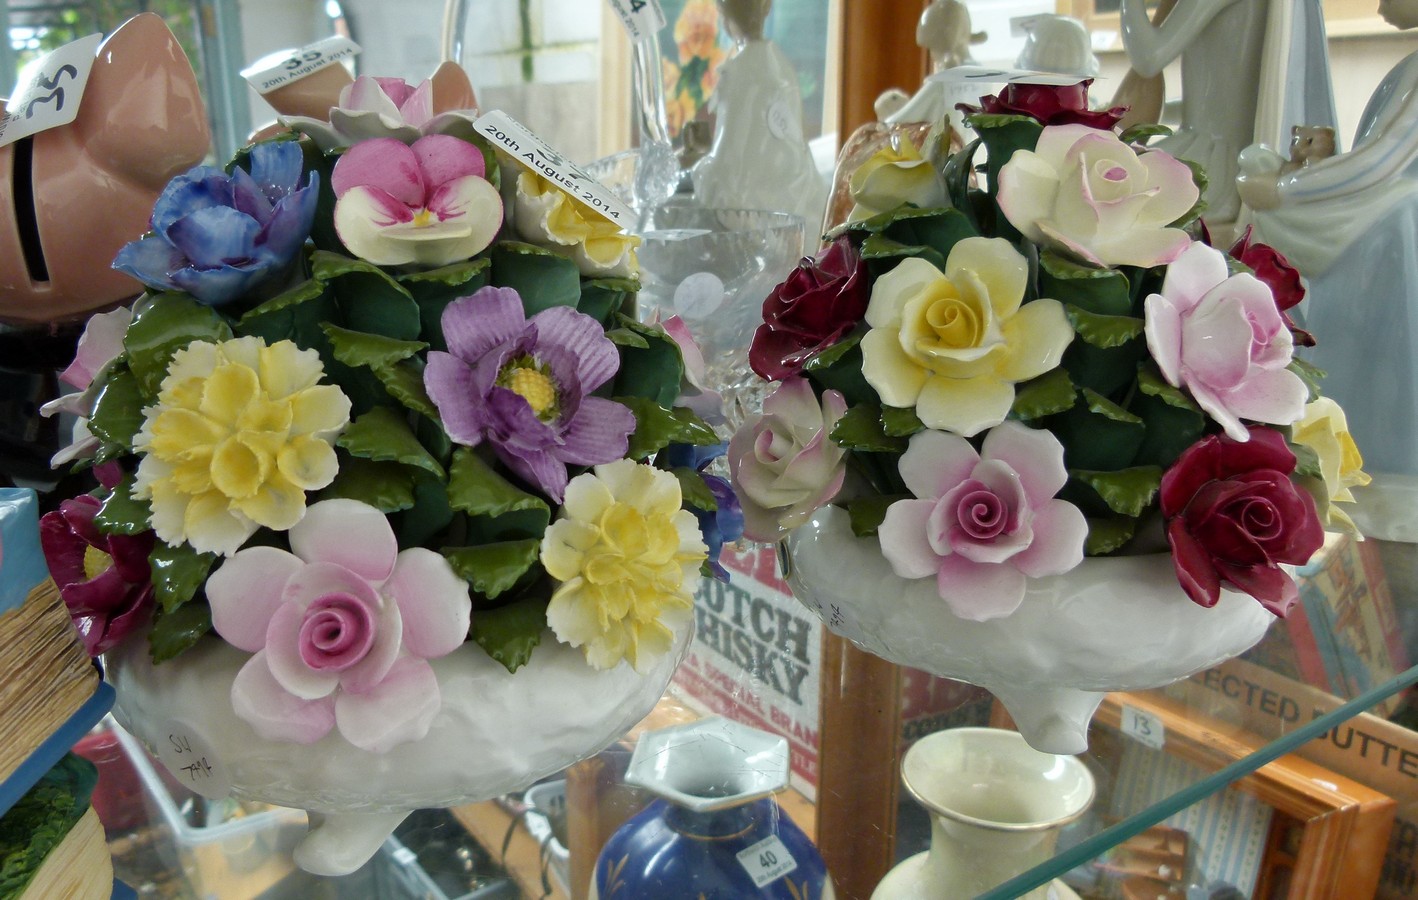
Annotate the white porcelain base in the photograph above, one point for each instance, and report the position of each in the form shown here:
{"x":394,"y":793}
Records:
{"x":1114,"y":623}
{"x":495,"y":733}
{"x":909,"y":881}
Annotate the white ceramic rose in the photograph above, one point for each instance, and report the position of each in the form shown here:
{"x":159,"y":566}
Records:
{"x":784,"y":466}
{"x":1085,"y":192}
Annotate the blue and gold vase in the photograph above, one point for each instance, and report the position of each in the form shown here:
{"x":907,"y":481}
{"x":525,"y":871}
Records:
{"x":716,"y":833}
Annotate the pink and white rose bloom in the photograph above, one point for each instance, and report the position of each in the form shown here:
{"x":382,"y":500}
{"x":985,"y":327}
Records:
{"x":784,"y":466}
{"x":1085,"y":192}
{"x":1222,"y":337}
{"x":985,"y":522}
{"x":100,"y":344}
{"x":341,"y":629}
{"x":372,"y":107}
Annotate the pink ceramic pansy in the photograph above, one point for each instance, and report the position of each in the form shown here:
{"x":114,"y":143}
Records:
{"x":985,"y":522}
{"x":341,"y":629}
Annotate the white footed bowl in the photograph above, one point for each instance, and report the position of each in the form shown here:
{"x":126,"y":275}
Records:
{"x":1111,"y":624}
{"x":496,"y":732}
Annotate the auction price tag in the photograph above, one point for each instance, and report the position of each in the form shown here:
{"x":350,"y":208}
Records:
{"x":280,"y":69}
{"x":533,"y":154}
{"x":1143,"y":727}
{"x":192,"y":761}
{"x":49,"y":89}
{"x":641,"y":18}
{"x":983,"y":74}
{"x":767,"y":861}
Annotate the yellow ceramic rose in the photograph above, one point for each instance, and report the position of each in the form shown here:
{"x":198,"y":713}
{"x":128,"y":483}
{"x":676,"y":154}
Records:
{"x":893,"y":176}
{"x":1325,"y":430}
{"x":626,"y":555}
{"x":953,"y":344}
{"x":240,"y":432}
{"x":549,"y":217}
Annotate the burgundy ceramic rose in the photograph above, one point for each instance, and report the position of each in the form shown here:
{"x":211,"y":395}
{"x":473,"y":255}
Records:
{"x":1050,"y":104}
{"x":1275,"y":271}
{"x":1234,"y":516}
{"x":822,"y":300}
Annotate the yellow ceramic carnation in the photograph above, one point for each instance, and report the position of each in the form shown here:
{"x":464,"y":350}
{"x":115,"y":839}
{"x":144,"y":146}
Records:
{"x":1325,"y":430}
{"x":953,"y":344}
{"x":549,"y":217}
{"x":239,"y":433}
{"x":626,"y":555}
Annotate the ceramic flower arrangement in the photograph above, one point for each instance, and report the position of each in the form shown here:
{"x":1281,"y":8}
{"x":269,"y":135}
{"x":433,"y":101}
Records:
{"x":1045,"y":363}
{"x":385,"y":397}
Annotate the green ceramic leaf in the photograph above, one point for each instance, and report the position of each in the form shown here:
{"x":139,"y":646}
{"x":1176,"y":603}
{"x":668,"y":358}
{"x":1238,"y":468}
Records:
{"x":384,"y":435}
{"x":860,"y":428}
{"x":624,"y":337}
{"x":1098,"y":434}
{"x":898,"y":422}
{"x":1100,"y":405}
{"x":162,"y":326}
{"x":434,"y":290}
{"x":603,"y":298}
{"x":1107,"y":535}
{"x":1128,"y":491}
{"x":657,"y":427}
{"x":883,"y":254}
{"x":939,"y":230}
{"x":1047,"y":395}
{"x":493,"y":569}
{"x":839,"y":368}
{"x":1170,"y":429}
{"x":1103,"y":292}
{"x":405,"y":383}
{"x":510,"y":633}
{"x":178,"y":572}
{"x":693,"y":489}
{"x":430,"y":515}
{"x":1105,"y":332}
{"x":1202,"y":181}
{"x":178,"y":631}
{"x":386,"y":486}
{"x":305,"y":291}
{"x":475,"y":488}
{"x":833,"y":354}
{"x":1151,"y":383}
{"x":118,"y":410}
{"x":542,"y":278}
{"x":1141,"y":134}
{"x":867,"y":513}
{"x":122,"y":513}
{"x":1307,"y":461}
{"x":654,"y":372}
{"x":354,"y":348}
{"x":1310,"y":374}
{"x":998,"y":120}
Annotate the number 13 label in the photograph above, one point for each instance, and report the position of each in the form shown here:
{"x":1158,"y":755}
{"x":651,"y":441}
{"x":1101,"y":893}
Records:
{"x":767,"y":861}
{"x":48,"y":92}
{"x":1144,"y":727}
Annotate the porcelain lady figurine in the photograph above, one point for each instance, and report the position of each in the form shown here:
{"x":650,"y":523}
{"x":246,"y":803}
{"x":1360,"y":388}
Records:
{"x":1350,"y":225}
{"x":760,"y":159}
{"x":1228,"y":48}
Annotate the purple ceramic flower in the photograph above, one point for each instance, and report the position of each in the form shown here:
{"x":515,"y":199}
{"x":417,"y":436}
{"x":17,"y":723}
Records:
{"x":219,"y":237}
{"x":104,"y":579}
{"x":986,"y":521}
{"x":341,"y":628}
{"x":524,"y":385}
{"x":725,"y":524}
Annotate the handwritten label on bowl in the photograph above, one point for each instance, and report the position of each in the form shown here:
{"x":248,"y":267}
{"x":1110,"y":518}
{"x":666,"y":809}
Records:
{"x":767,"y":861}
{"x":1144,"y":727}
{"x":192,"y":761}
{"x":280,"y":69}
{"x":49,"y":89}
{"x":642,"y":18}
{"x":534,"y":154}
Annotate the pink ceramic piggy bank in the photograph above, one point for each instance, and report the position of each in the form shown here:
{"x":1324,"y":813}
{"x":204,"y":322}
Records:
{"x":71,"y":196}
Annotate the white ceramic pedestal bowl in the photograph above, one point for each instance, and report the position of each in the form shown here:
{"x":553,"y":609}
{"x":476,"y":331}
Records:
{"x":496,"y":732}
{"x":1112,"y":623}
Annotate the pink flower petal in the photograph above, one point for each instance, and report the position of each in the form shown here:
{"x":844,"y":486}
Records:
{"x":315,"y":580}
{"x":597,"y":359}
{"x":905,"y":541}
{"x":1178,"y":192}
{"x":362,"y":219}
{"x":1163,"y":328}
{"x":444,"y":158}
{"x":383,"y":163}
{"x":388,"y":637}
{"x":935,"y":462}
{"x":99,"y":345}
{"x":1059,"y":533}
{"x":272,"y":712}
{"x":415,"y":103}
{"x":1275,"y":397}
{"x":1216,"y":341}
{"x":282,"y":652}
{"x":1146,"y":247}
{"x":245,"y":592}
{"x":1035,"y":455}
{"x":347,"y":533}
{"x":398,"y":709}
{"x":1192,"y":275}
{"x":433,"y":603}
{"x":372,"y":94}
{"x":980,"y":592}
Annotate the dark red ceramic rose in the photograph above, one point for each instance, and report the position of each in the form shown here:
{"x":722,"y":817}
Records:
{"x":822,"y":300}
{"x":1051,"y":104}
{"x":1234,"y":516}
{"x":104,"y":578}
{"x":1283,"y":279}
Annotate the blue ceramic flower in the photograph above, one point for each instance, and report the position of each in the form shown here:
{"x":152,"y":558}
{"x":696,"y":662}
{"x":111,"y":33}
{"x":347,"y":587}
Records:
{"x":219,"y":237}
{"x":725,"y":524}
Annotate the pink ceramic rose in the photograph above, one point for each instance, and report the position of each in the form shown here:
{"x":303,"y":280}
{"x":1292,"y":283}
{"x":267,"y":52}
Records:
{"x":784,"y":466}
{"x":1222,"y":338}
{"x":341,"y":629}
{"x":1084,"y":192}
{"x":985,"y":522}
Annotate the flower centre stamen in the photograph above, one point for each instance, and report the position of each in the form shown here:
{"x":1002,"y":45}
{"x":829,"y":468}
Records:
{"x":424,"y":219}
{"x":524,"y":379}
{"x":96,"y":562}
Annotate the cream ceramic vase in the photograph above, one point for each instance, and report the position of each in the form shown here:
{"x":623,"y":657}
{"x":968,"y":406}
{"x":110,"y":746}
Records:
{"x":1112,"y":623}
{"x":495,"y":733}
{"x":996,"y":810}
